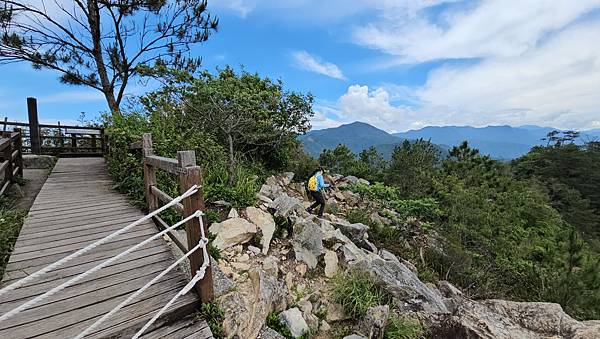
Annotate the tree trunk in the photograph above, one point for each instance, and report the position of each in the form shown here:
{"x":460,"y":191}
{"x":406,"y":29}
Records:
{"x":107,"y":87}
{"x":232,"y":177}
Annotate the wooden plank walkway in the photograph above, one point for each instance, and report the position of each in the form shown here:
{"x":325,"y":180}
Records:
{"x":76,"y":207}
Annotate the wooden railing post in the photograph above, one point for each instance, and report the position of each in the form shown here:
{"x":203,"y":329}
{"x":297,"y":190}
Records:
{"x":7,"y":155}
{"x":149,"y":172}
{"x":19,"y":147}
{"x":192,"y":175}
{"x":34,"y":126}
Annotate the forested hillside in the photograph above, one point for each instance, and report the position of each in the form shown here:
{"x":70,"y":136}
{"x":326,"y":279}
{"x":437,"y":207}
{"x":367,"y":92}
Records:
{"x":529,"y":230}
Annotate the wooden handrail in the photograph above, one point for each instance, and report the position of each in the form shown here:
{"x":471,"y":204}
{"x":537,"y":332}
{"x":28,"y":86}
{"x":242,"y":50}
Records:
{"x":189,"y":175}
{"x":165,"y":198}
{"x":11,"y":153}
{"x":165,"y":164}
{"x":162,"y":225}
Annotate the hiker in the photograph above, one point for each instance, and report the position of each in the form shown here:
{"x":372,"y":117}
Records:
{"x":314,"y":185}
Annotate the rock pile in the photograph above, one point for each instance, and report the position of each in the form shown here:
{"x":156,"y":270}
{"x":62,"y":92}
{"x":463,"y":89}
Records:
{"x":294,"y":270}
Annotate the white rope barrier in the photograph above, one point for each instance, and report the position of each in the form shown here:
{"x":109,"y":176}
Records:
{"x":79,"y":277}
{"x":98,"y":322}
{"x":199,"y":275}
{"x":90,"y":247}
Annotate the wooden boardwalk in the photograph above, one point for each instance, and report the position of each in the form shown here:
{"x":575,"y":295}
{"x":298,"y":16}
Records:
{"x":76,"y":207}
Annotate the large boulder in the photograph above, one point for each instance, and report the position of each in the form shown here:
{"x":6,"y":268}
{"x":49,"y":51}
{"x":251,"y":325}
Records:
{"x":402,"y":284}
{"x":232,"y":232}
{"x":503,"y":319}
{"x":265,"y":222}
{"x":307,"y":242}
{"x":294,"y":321}
{"x":285,"y":205}
{"x":286,"y":178}
{"x":221,"y":283}
{"x":247,"y":310}
{"x":269,"y":333}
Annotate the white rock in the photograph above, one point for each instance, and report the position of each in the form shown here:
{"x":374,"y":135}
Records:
{"x":240,"y":266}
{"x":305,"y":306}
{"x":294,"y":321}
{"x":270,"y":265}
{"x":325,"y":327}
{"x":233,"y":213}
{"x":232,"y":232}
{"x":242,"y":258}
{"x":265,"y":222}
{"x":354,"y":336}
{"x":254,"y":250}
{"x":301,"y":269}
{"x":335,"y":312}
{"x":331,"y":263}
{"x":286,"y":178}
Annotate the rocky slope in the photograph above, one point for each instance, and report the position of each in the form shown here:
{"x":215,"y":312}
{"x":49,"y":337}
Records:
{"x":270,"y":269}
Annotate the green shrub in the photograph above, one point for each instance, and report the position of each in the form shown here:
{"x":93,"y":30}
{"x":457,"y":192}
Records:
{"x":11,"y":220}
{"x":214,"y":315}
{"x":357,"y":293}
{"x":376,"y":191}
{"x":399,"y":327}
{"x":218,"y":187}
{"x":356,"y":215}
{"x":423,"y":209}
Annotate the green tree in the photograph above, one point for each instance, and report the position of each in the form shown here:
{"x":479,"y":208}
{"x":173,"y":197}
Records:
{"x":340,"y":160}
{"x":251,"y":116}
{"x":570,"y":174}
{"x":371,"y":164}
{"x":412,"y":166}
{"x":101,"y":44}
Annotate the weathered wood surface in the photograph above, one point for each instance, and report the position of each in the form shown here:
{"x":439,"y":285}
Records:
{"x":76,"y":207}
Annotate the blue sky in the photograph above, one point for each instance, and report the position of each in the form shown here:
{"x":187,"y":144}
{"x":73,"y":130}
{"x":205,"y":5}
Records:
{"x":395,"y":64}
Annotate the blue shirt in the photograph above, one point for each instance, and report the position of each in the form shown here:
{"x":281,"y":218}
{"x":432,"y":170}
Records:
{"x":320,"y":181}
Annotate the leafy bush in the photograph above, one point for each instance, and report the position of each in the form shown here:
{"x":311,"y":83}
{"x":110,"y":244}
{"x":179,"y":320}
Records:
{"x":170,"y":136}
{"x":214,"y":315}
{"x":11,"y":221}
{"x":242,"y":193}
{"x":376,"y":191}
{"x":357,"y":293}
{"x":356,"y":215}
{"x":424,"y":209}
{"x":399,"y":327}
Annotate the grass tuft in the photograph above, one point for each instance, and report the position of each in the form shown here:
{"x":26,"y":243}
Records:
{"x":400,"y":327}
{"x":357,"y":293}
{"x":11,"y":220}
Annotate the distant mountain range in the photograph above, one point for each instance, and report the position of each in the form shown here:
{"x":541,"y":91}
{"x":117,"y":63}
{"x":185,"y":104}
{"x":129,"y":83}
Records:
{"x":500,"y":142}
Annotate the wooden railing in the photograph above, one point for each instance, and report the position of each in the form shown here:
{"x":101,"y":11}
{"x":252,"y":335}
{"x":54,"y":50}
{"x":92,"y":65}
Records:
{"x":60,"y":140}
{"x":11,"y":155}
{"x":189,"y":174}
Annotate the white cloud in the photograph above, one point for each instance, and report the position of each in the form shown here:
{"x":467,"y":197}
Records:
{"x":535,"y":63}
{"x":495,"y":28}
{"x":370,"y":106}
{"x":555,"y":84}
{"x":306,"y":61}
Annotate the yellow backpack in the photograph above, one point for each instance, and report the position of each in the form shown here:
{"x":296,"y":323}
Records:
{"x":312,"y":183}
